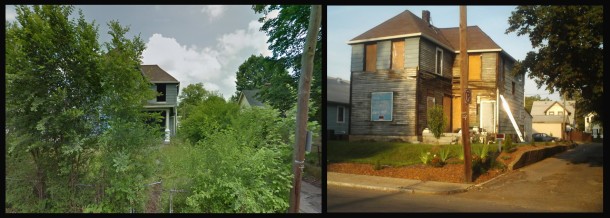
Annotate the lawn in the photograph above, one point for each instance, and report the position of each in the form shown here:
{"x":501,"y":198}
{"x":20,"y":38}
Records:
{"x":390,"y":153}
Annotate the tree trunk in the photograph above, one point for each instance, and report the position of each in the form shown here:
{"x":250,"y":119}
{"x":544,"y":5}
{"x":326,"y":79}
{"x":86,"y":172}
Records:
{"x":307,"y":65}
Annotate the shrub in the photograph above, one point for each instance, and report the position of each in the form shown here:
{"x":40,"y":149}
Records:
{"x":436,"y":121}
{"x":508,"y":144}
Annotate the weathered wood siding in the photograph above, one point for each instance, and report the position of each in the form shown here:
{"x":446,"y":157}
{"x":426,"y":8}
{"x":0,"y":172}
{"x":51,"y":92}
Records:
{"x":384,"y":54}
{"x":484,"y":89}
{"x":431,"y":84}
{"x":403,"y":88}
{"x":515,"y":101}
{"x":357,"y":57}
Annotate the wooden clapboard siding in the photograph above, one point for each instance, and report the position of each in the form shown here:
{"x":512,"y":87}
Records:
{"x":427,"y":56}
{"x":403,"y":87}
{"x":515,"y":101}
{"x":384,"y":53}
{"x":430,"y":85}
{"x":371,"y":57}
{"x":398,"y":54}
{"x":357,"y":57}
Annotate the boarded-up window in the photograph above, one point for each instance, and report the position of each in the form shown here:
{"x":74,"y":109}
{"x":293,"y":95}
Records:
{"x":430,"y":102}
{"x":474,"y":66}
{"x":371,"y":57}
{"x":513,"y":88}
{"x":382,"y":104}
{"x":438,"y":67}
{"x":398,"y":55}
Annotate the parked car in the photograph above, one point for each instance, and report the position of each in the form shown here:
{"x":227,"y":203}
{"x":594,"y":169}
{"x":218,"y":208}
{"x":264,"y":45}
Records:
{"x":543,"y":137}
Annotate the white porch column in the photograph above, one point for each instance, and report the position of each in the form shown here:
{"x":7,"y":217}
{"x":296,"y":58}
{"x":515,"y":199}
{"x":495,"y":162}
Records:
{"x":166,"y":126}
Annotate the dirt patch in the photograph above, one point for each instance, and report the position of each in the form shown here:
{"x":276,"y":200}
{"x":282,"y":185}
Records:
{"x":452,"y":172}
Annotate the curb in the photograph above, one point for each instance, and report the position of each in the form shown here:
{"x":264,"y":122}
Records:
{"x":400,"y":189}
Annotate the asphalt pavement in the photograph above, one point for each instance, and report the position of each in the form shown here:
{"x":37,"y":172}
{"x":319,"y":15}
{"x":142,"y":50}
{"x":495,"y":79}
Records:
{"x":310,"y":198}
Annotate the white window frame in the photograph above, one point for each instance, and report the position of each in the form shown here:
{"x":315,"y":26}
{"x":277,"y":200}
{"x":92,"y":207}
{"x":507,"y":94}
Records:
{"x":438,"y":70}
{"x":342,"y":115}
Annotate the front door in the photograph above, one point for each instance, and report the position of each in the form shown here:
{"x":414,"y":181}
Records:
{"x":487,"y":116}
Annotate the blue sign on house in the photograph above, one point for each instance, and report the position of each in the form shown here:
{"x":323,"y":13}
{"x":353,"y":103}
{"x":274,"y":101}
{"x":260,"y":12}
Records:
{"x":381,"y":106}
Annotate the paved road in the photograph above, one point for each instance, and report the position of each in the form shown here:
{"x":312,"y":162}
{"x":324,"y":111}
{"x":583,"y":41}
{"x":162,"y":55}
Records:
{"x":568,"y":182}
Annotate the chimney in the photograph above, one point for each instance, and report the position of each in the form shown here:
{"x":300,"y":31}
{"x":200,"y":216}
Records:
{"x":425,"y":15}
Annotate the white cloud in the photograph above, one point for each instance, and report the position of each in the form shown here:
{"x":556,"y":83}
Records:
{"x":214,"y":11}
{"x":214,"y":66}
{"x":272,"y":14}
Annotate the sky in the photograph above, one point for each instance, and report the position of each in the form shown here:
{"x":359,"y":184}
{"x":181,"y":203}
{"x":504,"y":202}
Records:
{"x":346,"y":22}
{"x":193,"y":43}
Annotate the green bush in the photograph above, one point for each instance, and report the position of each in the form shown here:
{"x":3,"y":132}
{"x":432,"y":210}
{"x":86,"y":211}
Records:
{"x":425,"y":157}
{"x":436,"y":121}
{"x":444,"y":153}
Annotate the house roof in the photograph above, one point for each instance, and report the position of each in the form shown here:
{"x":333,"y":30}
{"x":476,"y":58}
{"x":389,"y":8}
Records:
{"x":337,"y":90}
{"x":407,"y":24}
{"x":539,"y":109}
{"x":155,"y":74}
{"x":249,"y":96}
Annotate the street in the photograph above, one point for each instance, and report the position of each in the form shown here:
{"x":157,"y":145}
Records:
{"x":568,"y":182}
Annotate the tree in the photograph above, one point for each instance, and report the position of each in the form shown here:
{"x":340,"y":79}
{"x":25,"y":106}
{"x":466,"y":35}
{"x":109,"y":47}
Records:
{"x":529,"y":101}
{"x":287,"y":34}
{"x":74,"y":111}
{"x":436,"y":121}
{"x":191,"y":96}
{"x":276,"y":87}
{"x":53,"y":86}
{"x":569,"y":39}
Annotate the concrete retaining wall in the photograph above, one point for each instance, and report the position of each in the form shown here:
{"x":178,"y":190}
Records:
{"x":533,"y":156}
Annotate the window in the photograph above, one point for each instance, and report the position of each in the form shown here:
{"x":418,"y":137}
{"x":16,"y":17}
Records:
{"x":161,"y":89}
{"x":398,"y":55}
{"x":551,"y":112}
{"x":340,"y":114}
{"x":474,"y":66}
{"x":438,"y":67}
{"x":381,"y":106}
{"x":559,"y":112}
{"x":370,"y":63}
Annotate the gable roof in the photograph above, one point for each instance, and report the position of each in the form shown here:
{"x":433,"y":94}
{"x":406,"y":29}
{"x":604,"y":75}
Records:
{"x":541,"y":107}
{"x":249,"y":96}
{"x":400,"y":26}
{"x":155,"y":74}
{"x":337,"y":90}
{"x":407,"y":24}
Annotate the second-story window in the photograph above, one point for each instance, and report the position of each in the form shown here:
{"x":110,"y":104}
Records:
{"x":161,"y":89}
{"x":438,"y":66}
{"x":398,"y":54}
{"x":370,"y":63}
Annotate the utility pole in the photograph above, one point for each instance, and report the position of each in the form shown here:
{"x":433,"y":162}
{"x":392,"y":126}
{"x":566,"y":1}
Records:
{"x":465,"y":95}
{"x":315,"y":19}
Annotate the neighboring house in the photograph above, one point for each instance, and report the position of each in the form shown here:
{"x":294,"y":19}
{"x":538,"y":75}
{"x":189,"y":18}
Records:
{"x":551,"y":117}
{"x":166,"y":103}
{"x":595,"y":129}
{"x":247,"y":98}
{"x":405,"y":65}
{"x":337,"y":106}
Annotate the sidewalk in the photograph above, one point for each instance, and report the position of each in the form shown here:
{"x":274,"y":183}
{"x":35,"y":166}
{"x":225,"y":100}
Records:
{"x":395,"y":184}
{"x":310,"y":198}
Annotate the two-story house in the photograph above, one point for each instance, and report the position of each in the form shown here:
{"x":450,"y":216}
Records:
{"x":337,"y":107}
{"x":552,"y":117}
{"x":166,"y":102}
{"x":405,"y":65}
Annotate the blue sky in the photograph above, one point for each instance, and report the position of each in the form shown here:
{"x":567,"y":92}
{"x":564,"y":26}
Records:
{"x":347,"y":22}
{"x":194,"y":43}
